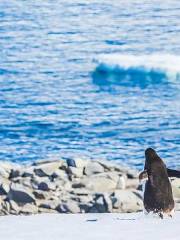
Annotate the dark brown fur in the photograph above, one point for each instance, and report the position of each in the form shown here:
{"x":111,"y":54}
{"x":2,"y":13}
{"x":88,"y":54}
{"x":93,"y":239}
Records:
{"x":158,"y":196}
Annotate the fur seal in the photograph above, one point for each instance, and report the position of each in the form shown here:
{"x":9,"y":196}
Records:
{"x":158,"y":197}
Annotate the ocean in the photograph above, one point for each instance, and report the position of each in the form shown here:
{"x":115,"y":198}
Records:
{"x":92,"y":79}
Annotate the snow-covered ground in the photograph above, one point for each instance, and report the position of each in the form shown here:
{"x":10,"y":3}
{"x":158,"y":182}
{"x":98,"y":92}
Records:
{"x":89,"y":227}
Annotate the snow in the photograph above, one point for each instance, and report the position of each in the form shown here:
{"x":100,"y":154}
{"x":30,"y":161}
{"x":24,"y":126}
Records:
{"x":125,"y":226}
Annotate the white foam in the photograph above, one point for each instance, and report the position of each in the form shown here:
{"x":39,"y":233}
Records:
{"x":163,"y":63}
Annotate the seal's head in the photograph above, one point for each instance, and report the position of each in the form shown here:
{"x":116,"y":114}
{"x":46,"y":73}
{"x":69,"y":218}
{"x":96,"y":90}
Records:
{"x":152,"y":159}
{"x":151,"y":154}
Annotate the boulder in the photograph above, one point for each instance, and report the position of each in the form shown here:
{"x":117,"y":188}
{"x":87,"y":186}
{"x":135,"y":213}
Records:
{"x":28,"y":209}
{"x":4,"y":187}
{"x":176,"y":187}
{"x":14,"y":208}
{"x":20,"y":194}
{"x":81,"y":163}
{"x":41,"y":195}
{"x":46,"y":186}
{"x":61,"y":174}
{"x":93,"y":168}
{"x":76,"y":172}
{"x":49,"y":204}
{"x":47,"y":169}
{"x":126,"y":201}
{"x":99,"y":206}
{"x":68,"y":207}
{"x":99,"y":184}
{"x":4,"y":173}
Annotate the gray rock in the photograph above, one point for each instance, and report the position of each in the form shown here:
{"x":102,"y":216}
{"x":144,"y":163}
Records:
{"x":126,"y":201}
{"x":47,"y":169}
{"x":80,"y":191}
{"x":46,"y":186}
{"x":28,"y":209}
{"x":4,"y":173}
{"x":46,"y":210}
{"x":176,"y":187}
{"x":41,"y":195}
{"x":99,"y":206}
{"x":93,"y":168}
{"x":4,"y":187}
{"x":99,"y":184}
{"x":14,"y":208}
{"x":68,"y":207}
{"x":132,"y":183}
{"x":85,"y":207}
{"x":49,"y":204}
{"x":20,"y":194}
{"x":5,"y":206}
{"x":81,"y":163}
{"x":26,"y":182}
{"x":61,"y":174}
{"x":63,"y":185}
{"x":76,"y":172}
{"x":28,"y":172}
{"x":108,"y":202}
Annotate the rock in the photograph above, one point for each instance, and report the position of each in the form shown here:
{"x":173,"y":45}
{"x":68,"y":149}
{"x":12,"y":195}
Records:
{"x":41,"y":195}
{"x":93,"y":168}
{"x":85,"y":207}
{"x":4,"y":187}
{"x":81,"y":163}
{"x":46,"y":186}
{"x":99,"y":206}
{"x":80,"y":191}
{"x":5,"y":207}
{"x":108,"y":202}
{"x":28,"y":172}
{"x":50,"y":204}
{"x":46,"y":210}
{"x":176,"y":187}
{"x":126,"y":201}
{"x":78,"y":185}
{"x":15,"y":173}
{"x":47,"y":169}
{"x":132,"y":173}
{"x":63,"y":185}
{"x":26,"y":182}
{"x":70,"y":162}
{"x":58,"y":173}
{"x":76,"y":172}
{"x":68,"y":207}
{"x":4,"y":173}
{"x":28,"y":209}
{"x":14,"y":208}
{"x":132,"y":183}
{"x":52,"y":186}
{"x":99,"y":184}
{"x":20,"y":194}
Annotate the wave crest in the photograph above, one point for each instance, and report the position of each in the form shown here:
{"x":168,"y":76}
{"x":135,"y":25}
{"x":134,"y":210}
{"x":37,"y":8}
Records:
{"x":128,"y":70}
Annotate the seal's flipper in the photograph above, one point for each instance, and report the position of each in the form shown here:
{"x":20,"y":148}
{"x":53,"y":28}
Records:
{"x":143,"y":175}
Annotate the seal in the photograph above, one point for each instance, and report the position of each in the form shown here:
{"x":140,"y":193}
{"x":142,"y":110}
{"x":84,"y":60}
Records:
{"x":158,"y":197}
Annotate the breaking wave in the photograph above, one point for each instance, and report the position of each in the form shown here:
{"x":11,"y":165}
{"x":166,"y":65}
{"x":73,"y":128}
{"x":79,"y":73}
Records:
{"x":134,"y":70}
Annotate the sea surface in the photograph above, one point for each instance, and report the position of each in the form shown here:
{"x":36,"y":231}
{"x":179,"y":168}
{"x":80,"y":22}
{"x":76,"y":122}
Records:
{"x":77,"y":80}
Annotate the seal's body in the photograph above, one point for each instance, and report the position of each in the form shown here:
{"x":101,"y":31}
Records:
{"x":158,"y":196}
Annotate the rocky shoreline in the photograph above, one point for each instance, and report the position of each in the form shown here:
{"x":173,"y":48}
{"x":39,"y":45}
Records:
{"x":71,"y":186}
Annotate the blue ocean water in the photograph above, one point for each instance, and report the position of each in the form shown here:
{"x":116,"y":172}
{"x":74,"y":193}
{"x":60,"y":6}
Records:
{"x":58,"y":99}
